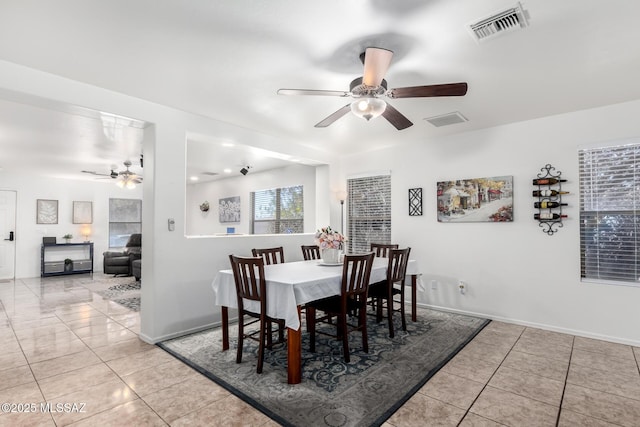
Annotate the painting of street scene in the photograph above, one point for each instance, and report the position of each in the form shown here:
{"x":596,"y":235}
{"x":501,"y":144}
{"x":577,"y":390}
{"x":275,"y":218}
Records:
{"x":476,"y":200}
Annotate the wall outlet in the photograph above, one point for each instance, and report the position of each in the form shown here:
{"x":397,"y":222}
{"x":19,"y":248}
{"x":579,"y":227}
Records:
{"x":462,"y":286}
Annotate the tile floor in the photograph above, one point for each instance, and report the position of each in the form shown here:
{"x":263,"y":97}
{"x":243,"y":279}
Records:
{"x":64,"y":345}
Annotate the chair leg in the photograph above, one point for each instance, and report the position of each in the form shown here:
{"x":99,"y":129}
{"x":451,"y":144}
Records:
{"x":311,"y":327}
{"x":240,"y":338}
{"x":404,"y":322}
{"x":378,"y":310}
{"x":269,"y":335}
{"x":362,"y":323}
{"x":342,"y":325}
{"x":390,"y":315}
{"x":281,"y":331}
{"x":263,"y":325}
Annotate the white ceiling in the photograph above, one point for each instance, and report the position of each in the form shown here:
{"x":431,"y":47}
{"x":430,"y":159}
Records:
{"x":227,"y":59}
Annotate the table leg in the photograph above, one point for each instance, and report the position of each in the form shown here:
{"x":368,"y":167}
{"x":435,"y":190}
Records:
{"x":294,"y":354}
{"x":225,"y":328}
{"x":414,"y":294}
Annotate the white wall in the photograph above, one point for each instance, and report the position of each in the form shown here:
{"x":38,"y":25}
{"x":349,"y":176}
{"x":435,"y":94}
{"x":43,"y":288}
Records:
{"x":513,"y":271}
{"x":200,"y":223}
{"x":29,"y":235}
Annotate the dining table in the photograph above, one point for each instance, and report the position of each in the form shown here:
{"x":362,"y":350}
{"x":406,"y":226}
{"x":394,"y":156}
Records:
{"x":289,"y":286}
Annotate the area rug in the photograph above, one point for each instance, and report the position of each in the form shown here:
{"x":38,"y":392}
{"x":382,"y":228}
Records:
{"x":121,"y":290}
{"x":364,"y":392}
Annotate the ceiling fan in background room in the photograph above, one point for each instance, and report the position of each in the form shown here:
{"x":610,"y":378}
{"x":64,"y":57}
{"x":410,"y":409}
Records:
{"x":368,"y":90}
{"x":125,"y":178}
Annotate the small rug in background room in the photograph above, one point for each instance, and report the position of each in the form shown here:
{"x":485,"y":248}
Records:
{"x":121,"y":290}
{"x":364,"y":392}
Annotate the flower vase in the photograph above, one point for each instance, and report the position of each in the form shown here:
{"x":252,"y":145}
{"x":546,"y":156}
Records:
{"x":331,"y":256}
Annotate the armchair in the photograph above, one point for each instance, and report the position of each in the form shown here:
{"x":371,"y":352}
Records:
{"x":119,"y":262}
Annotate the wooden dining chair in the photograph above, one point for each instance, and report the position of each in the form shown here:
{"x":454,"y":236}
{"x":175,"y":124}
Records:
{"x":382,"y":249}
{"x":248,"y":274}
{"x":385,"y":291}
{"x":356,"y":272}
{"x":310,"y":252}
{"x":270,"y":255}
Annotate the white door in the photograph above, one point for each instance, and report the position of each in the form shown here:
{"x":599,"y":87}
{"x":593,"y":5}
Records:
{"x":7,"y":234}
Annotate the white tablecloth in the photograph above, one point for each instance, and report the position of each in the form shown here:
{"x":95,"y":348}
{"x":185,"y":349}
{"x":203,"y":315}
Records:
{"x":295,"y":283}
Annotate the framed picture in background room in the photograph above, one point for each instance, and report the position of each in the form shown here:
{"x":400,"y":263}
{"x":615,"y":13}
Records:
{"x":476,"y":200}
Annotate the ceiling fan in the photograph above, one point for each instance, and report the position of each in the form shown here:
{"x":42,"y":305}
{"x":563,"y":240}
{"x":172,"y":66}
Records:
{"x":368,"y":90}
{"x":127,"y":179}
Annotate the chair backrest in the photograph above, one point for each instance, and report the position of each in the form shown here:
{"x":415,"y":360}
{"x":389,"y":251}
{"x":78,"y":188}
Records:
{"x":356,"y":272}
{"x":270,"y":255}
{"x":248,"y":274}
{"x":397,"y":269}
{"x":382,"y":250}
{"x":310,"y":252}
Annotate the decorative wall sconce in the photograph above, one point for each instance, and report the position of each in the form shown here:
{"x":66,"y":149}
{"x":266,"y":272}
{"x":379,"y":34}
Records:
{"x":204,"y":207}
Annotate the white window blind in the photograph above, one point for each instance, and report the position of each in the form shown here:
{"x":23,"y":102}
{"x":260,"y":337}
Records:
{"x":277,"y":211}
{"x":369,"y":214}
{"x":609,"y":196}
{"x":125,"y":219}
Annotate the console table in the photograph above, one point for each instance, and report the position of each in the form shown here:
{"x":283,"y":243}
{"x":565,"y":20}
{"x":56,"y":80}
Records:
{"x":53,"y":256}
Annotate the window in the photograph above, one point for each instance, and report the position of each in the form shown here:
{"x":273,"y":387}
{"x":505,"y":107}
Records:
{"x":277,"y":211}
{"x":609,"y":194}
{"x":369,"y":215}
{"x":125,"y":218}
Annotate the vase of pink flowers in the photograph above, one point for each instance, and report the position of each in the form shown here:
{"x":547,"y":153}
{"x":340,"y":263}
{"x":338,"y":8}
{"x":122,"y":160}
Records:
{"x":331,"y":244}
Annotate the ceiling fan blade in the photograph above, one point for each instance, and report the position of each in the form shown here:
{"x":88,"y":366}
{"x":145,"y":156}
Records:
{"x":376,"y":64}
{"x":312,"y":92}
{"x":396,"y":118}
{"x":96,"y":173}
{"x":333,"y":117}
{"x":449,"y":89}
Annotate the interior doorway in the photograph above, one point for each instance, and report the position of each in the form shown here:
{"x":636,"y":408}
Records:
{"x":7,"y":234}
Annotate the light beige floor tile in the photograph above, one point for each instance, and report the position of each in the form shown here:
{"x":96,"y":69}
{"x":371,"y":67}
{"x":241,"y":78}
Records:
{"x":38,"y":323}
{"x":540,"y":347}
{"x":620,"y":351}
{"x":603,"y":406}
{"x":104,"y":327}
{"x":42,"y":331}
{"x":140,"y":361}
{"x":505,"y":328}
{"x":80,"y":315}
{"x":135,"y":413}
{"x":607,"y":381}
{"x":422,"y":410}
{"x":573,"y":419}
{"x":543,"y":366}
{"x":30,"y":345}
{"x":124,"y":348}
{"x":109,"y":338}
{"x":481,"y":350}
{"x":11,"y":345}
{"x":528,"y":385}
{"x":15,"y":376}
{"x":225,"y":413}
{"x":31,"y":419}
{"x":452,"y":389}
{"x":24,"y":393}
{"x":604,"y":362}
{"x":471,"y":368}
{"x":41,"y":354}
{"x":503,"y":340}
{"x":76,"y":380}
{"x":185,"y":397}
{"x":159,"y":377}
{"x":60,"y":365}
{"x":511,"y":409}
{"x":554,"y":338}
{"x":89,"y":322}
{"x":93,"y":400}
{"x":473,"y":420}
{"x":12,"y":359}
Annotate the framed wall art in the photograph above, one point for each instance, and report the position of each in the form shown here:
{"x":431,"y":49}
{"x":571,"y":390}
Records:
{"x":46,"y":211}
{"x":415,"y":201}
{"x":476,"y":200}
{"x":229,"y":209}
{"x":82,"y":212}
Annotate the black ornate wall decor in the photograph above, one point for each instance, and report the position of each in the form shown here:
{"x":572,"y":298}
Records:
{"x":415,"y":201}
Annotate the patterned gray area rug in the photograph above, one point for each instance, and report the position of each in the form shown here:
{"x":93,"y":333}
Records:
{"x":121,"y":290}
{"x":364,"y":392}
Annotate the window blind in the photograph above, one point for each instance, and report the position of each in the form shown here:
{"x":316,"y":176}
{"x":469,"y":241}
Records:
{"x":369,"y":213}
{"x":278,"y":210}
{"x":609,"y":196}
{"x":125,"y":218}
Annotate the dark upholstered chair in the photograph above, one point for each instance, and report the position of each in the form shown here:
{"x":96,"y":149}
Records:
{"x":310,"y":252}
{"x":248,"y":274}
{"x":381,"y":249}
{"x":270,"y":255}
{"x":120,"y":262}
{"x":356,"y":272}
{"x":386,"y":290}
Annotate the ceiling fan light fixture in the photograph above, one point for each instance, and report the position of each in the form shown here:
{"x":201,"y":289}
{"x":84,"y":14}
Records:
{"x":368,"y":107}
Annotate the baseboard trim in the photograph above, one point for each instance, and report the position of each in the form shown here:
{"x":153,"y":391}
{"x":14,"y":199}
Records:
{"x":576,"y":332}
{"x":156,"y":340}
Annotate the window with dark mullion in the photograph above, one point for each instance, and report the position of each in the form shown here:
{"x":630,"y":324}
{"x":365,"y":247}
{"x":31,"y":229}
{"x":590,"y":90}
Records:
{"x":609,"y":197}
{"x":277,"y":211}
{"x":369,"y":212}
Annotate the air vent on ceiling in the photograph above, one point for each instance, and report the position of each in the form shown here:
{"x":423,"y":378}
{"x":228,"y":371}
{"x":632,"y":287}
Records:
{"x":447,"y":119}
{"x":500,"y":23}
